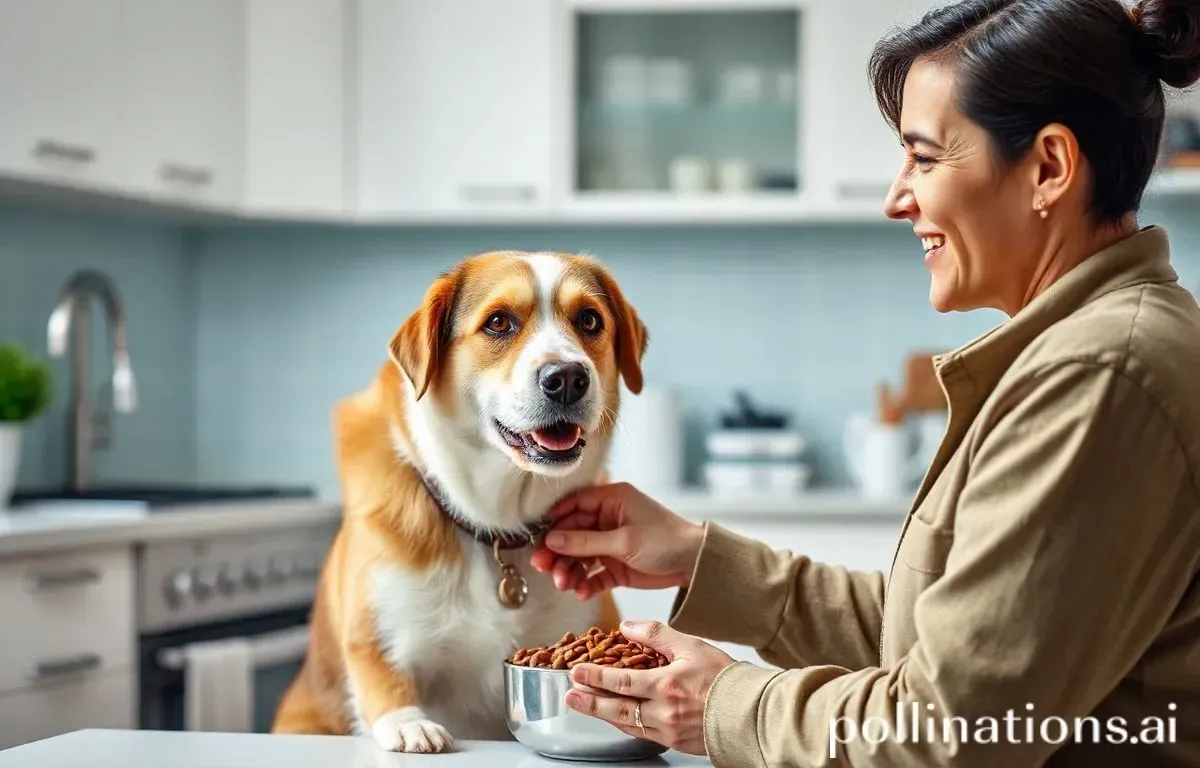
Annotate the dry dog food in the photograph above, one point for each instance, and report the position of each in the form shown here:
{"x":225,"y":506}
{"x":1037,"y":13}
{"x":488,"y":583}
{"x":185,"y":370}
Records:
{"x":596,"y":647}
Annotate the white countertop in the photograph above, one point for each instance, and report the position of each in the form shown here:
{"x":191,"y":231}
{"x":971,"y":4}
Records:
{"x":823,"y":505}
{"x":70,"y":525}
{"x":162,"y":749}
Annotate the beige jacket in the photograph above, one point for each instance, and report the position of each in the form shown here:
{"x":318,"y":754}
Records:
{"x":1046,"y":577}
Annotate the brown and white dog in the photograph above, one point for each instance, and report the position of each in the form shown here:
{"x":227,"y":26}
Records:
{"x":500,"y":396}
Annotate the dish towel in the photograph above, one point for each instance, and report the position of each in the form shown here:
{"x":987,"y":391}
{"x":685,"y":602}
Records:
{"x":219,"y":686}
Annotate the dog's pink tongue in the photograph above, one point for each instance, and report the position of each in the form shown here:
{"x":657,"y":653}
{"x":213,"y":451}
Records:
{"x":557,"y":438}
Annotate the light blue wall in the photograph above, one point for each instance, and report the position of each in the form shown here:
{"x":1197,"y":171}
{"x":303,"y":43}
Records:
{"x":808,"y":319}
{"x":243,"y":338}
{"x":39,"y":249}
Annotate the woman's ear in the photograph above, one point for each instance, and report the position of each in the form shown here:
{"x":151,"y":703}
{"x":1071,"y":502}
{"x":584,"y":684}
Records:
{"x":419,"y":346}
{"x":632,"y":335}
{"x":1056,"y":158}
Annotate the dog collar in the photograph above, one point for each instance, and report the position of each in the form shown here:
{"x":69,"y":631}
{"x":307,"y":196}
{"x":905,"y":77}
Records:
{"x":492,"y":537}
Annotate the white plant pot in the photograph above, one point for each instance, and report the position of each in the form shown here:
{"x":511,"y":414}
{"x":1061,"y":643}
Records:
{"x":10,"y":460}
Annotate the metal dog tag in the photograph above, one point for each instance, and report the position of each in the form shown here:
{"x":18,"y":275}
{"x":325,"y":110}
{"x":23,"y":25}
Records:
{"x":513,"y":588}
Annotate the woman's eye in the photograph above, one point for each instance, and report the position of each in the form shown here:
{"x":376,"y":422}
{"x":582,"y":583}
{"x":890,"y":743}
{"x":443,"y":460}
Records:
{"x":498,"y":323}
{"x":923,"y":161}
{"x":590,"y":321}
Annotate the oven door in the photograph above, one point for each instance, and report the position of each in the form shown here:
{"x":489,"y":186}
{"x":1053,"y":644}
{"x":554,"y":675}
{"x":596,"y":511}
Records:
{"x":271,"y":647}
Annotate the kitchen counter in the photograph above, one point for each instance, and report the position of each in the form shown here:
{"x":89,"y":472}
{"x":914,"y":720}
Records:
{"x":71,"y":525}
{"x":812,"y":505}
{"x":162,"y":749}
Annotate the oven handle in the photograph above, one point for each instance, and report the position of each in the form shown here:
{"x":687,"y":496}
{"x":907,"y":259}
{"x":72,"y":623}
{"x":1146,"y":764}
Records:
{"x":269,"y":649}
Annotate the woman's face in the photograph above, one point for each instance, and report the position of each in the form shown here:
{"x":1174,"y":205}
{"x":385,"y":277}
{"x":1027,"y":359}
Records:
{"x":976,"y":223}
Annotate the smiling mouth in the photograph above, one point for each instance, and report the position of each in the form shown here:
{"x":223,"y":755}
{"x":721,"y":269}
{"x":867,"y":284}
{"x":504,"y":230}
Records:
{"x":560,"y":442}
{"x":933,"y":245}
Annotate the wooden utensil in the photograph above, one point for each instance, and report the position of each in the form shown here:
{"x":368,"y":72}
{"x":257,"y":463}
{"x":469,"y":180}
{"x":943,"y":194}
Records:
{"x":889,"y":406}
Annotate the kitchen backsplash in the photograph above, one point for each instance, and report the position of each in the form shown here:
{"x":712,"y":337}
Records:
{"x":39,"y":250}
{"x":238,"y":370}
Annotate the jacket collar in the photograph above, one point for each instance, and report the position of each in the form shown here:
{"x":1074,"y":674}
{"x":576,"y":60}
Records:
{"x":970,"y":373}
{"x":976,"y":367}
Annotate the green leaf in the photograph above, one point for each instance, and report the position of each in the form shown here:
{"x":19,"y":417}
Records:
{"x":25,"y":384}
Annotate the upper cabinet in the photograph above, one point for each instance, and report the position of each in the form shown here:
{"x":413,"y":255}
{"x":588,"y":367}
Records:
{"x":471,"y":111}
{"x":453,"y":113}
{"x":857,"y":154}
{"x":60,"y":75}
{"x":671,"y":104}
{"x":233,"y":106}
{"x":184,"y":112}
{"x":295,"y":101}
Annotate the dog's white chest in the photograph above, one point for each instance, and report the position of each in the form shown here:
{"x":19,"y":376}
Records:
{"x":447,"y":629}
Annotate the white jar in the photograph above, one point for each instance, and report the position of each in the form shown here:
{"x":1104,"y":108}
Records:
{"x":690,"y":174}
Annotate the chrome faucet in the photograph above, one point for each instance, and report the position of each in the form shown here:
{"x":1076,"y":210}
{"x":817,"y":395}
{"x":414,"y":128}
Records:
{"x":72,"y":320}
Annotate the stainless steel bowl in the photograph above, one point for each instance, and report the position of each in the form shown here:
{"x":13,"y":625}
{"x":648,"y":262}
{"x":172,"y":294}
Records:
{"x":539,"y":718}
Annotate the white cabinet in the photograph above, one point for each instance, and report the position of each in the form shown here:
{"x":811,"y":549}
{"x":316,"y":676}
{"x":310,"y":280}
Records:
{"x":673,"y":105}
{"x":71,"y":663}
{"x":183,"y":114}
{"x":219,"y":105}
{"x":75,"y":612}
{"x":454,"y":107}
{"x":60,"y":70}
{"x":102,"y":701}
{"x":860,"y":154}
{"x":412,"y":111}
{"x":295,"y":101}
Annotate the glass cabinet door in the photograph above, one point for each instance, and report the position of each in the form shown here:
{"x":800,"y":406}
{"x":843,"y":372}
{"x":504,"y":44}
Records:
{"x":685,"y":103}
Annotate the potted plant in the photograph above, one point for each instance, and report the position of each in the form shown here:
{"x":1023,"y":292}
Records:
{"x":24,"y":394}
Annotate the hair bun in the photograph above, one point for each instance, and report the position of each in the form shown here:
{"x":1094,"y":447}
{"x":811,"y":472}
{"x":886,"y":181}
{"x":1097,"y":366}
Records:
{"x":1171,"y":31}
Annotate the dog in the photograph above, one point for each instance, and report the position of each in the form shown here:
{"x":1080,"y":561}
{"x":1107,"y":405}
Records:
{"x":498,"y":396}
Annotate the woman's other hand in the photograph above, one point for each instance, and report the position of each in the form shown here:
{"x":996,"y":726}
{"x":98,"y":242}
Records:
{"x":639,"y":542}
{"x":672,"y":698}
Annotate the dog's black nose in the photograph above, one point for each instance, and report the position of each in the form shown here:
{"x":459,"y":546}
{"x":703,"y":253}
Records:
{"x":564,"y":383}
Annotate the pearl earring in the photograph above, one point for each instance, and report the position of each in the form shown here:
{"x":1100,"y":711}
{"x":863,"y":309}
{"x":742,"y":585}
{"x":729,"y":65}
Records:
{"x":1041,"y":208}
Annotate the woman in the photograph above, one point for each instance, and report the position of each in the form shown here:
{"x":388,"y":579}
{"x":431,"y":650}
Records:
{"x":1044,"y":604}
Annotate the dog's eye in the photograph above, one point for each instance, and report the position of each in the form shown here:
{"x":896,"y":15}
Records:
{"x":590,"y":321}
{"x":498,"y":323}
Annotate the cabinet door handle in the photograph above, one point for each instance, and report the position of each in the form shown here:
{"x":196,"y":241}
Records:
{"x":38,"y":582}
{"x":498,"y":192}
{"x":73,"y":152}
{"x":177,"y":172}
{"x":47,"y":670}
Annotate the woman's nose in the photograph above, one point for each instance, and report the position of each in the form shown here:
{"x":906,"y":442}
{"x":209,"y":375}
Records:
{"x":900,"y":202}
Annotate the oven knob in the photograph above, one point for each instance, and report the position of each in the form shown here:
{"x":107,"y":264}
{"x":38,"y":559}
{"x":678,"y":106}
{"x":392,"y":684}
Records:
{"x":254,"y":575}
{"x":229,"y":579}
{"x":177,"y":587}
{"x":205,"y":582}
{"x":276,"y":571}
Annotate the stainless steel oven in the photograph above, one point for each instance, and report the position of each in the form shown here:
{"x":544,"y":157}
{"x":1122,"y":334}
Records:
{"x":277,"y":642}
{"x":252,"y":593}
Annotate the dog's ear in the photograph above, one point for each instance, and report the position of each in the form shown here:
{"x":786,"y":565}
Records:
{"x":419,"y":346}
{"x":632,"y":335}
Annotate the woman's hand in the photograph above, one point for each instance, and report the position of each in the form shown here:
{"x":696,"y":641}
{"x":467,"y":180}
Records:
{"x":671,"y":698}
{"x":639,"y":542}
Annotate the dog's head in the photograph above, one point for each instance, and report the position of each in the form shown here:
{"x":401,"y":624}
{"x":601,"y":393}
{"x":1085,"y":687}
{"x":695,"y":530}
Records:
{"x":525,"y":351}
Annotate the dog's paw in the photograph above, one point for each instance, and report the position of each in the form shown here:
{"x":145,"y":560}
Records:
{"x":408,"y":730}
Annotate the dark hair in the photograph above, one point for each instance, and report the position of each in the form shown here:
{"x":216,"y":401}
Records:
{"x":1091,"y":65}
